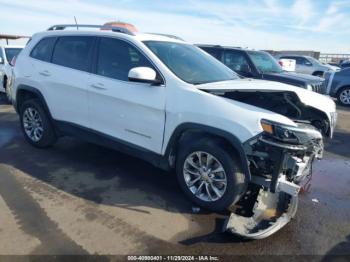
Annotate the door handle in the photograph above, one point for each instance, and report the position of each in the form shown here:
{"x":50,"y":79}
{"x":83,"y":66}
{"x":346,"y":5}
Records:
{"x":98,"y":86}
{"x":45,"y":73}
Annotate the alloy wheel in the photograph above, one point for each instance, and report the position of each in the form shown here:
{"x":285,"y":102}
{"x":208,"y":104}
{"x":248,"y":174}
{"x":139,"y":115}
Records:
{"x":345,"y":97}
{"x":205,"y":176}
{"x":32,"y":124}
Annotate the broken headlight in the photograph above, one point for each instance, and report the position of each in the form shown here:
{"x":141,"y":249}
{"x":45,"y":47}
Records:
{"x":279,"y":131}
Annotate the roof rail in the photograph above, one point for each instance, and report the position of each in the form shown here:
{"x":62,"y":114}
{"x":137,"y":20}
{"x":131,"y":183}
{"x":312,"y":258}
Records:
{"x":170,"y":36}
{"x":102,"y":27}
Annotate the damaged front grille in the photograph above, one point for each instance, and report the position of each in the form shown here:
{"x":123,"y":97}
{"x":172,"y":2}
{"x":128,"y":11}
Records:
{"x":319,"y":87}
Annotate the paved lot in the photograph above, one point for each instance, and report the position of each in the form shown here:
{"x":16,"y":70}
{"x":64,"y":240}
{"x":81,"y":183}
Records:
{"x":79,"y":198}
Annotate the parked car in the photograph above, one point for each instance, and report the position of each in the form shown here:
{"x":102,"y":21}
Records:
{"x":309,"y":65}
{"x":168,"y":102}
{"x":7,"y":53}
{"x":345,"y":64}
{"x":338,"y":85}
{"x":261,"y":65}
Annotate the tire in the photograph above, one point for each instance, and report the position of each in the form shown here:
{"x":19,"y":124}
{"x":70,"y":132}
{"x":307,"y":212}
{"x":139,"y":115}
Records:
{"x":236,"y":182}
{"x":343,"y":96}
{"x":47,"y":136}
{"x":7,"y":91}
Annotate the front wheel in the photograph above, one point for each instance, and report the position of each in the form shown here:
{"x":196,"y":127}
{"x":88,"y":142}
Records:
{"x":344,"y":96}
{"x":209,"y":175}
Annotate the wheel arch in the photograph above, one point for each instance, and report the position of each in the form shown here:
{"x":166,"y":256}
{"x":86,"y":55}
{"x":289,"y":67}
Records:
{"x":25,"y":92}
{"x":318,"y":72}
{"x":187,"y":131}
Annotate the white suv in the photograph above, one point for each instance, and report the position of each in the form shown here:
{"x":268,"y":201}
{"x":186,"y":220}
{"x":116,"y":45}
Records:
{"x":7,"y":53}
{"x":168,"y":102}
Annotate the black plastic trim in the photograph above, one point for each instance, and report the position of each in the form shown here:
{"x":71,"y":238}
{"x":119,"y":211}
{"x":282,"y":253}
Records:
{"x":233,"y":140}
{"x":108,"y":141}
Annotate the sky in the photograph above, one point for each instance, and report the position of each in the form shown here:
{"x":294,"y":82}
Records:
{"x":319,"y":25}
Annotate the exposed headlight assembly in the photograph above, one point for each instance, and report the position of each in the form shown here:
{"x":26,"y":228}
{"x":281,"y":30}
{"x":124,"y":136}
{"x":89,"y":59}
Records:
{"x":280,"y":132}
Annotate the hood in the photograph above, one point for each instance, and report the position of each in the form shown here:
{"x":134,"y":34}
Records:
{"x":309,"y":98}
{"x":291,"y":78}
{"x":297,"y":76}
{"x":333,"y":68}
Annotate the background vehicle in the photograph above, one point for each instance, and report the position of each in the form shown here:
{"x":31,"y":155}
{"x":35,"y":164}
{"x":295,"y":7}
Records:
{"x":170,"y":103}
{"x":7,"y":53}
{"x":287,"y":64}
{"x":309,"y":65}
{"x":345,"y":64}
{"x":338,"y":85}
{"x":261,"y":65}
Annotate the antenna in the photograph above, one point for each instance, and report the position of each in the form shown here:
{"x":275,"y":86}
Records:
{"x":75,"y":19}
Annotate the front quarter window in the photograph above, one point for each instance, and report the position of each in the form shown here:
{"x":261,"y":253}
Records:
{"x":189,"y":63}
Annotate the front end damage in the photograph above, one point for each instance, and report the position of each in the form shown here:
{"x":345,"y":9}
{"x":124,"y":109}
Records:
{"x":280,"y":158}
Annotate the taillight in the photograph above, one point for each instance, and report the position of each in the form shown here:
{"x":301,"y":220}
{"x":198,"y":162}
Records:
{"x":13,"y":61}
{"x":281,"y":63}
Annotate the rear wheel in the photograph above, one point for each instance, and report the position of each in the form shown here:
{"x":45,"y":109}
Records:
{"x":344,"y":96}
{"x":209,"y":175}
{"x":7,"y":90}
{"x":36,"y":125}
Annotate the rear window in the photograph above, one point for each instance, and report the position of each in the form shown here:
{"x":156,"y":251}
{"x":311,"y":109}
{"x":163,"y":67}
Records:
{"x":73,"y":52}
{"x":11,"y":53}
{"x":43,"y":49}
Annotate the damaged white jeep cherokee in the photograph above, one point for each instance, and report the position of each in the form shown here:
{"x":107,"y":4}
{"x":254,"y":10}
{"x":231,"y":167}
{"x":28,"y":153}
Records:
{"x":235,"y":143}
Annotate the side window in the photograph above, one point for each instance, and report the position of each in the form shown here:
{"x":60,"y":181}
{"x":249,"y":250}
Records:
{"x":213,"y":52}
{"x":43,"y":50}
{"x":73,"y":52}
{"x":117,"y":57}
{"x":236,"y":61}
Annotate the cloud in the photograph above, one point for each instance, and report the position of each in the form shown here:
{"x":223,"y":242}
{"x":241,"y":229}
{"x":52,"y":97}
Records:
{"x":267,"y":24}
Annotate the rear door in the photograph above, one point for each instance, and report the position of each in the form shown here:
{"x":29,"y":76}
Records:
{"x":128,"y":111}
{"x":64,"y":76}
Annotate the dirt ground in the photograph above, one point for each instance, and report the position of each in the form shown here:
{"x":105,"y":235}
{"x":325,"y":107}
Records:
{"x":79,"y":198}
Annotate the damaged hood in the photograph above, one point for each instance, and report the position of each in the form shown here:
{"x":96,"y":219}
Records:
{"x":309,"y":98}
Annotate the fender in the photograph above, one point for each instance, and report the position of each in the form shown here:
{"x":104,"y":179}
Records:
{"x":38,"y":95}
{"x":232,"y":139}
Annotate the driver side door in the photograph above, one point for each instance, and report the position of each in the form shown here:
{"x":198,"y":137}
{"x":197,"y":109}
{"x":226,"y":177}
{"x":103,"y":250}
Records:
{"x":131,"y":112}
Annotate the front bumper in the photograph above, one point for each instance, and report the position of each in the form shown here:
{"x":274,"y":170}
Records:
{"x":277,"y":168}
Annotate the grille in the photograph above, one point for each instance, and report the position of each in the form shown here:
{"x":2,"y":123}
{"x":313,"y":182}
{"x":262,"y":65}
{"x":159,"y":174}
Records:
{"x":319,"y":87}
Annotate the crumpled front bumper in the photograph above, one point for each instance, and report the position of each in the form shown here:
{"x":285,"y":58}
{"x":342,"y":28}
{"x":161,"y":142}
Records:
{"x":286,"y":165}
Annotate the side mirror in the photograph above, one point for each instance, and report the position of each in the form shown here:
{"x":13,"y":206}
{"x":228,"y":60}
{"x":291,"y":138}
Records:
{"x":1,"y":60}
{"x":143,"y":75}
{"x":307,"y":63}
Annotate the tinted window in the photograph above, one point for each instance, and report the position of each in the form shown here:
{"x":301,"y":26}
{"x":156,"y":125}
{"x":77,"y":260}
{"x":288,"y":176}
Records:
{"x":11,"y":53}
{"x":189,"y":63}
{"x":73,"y":52}
{"x":213,"y":51}
{"x":236,"y":61}
{"x":43,"y":49}
{"x":264,"y":62}
{"x":116,"y":58}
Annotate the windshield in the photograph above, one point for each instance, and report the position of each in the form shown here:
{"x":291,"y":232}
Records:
{"x":313,"y":60}
{"x":11,"y":52}
{"x":189,"y":63}
{"x":264,"y":62}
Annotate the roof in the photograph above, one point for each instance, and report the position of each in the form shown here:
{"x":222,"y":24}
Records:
{"x":111,"y":29}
